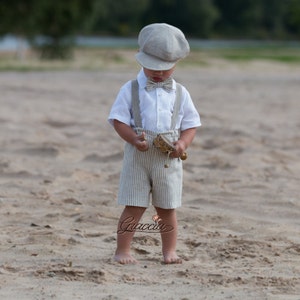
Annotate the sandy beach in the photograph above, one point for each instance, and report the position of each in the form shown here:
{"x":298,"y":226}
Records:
{"x":239,"y":226}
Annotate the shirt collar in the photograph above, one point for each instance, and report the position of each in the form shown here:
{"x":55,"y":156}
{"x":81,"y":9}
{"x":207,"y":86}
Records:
{"x":142,"y":80}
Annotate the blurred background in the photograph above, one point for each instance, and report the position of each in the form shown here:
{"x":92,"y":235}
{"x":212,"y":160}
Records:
{"x":52,"y":29}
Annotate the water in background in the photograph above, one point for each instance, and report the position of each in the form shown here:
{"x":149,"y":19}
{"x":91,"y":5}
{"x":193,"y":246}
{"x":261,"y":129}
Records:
{"x":11,"y":43}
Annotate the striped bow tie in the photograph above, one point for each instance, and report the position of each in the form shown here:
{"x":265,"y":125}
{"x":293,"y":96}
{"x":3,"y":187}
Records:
{"x":166,"y":85}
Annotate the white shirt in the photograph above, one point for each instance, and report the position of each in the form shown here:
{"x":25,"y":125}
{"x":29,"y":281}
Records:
{"x":156,"y":107}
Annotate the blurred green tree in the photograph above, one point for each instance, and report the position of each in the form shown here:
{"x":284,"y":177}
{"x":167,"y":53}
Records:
{"x":15,"y":16}
{"x":194,"y":17}
{"x":55,"y":21}
{"x":58,"y":22}
{"x":16,"y":19}
{"x":273,"y":21}
{"x":262,"y":19}
{"x":201,"y":17}
{"x":239,"y":18}
{"x":293,"y":17}
{"x":121,"y":18}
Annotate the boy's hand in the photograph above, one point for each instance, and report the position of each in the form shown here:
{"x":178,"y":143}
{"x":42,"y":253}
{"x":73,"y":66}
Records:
{"x":180,"y":149}
{"x":141,"y":143}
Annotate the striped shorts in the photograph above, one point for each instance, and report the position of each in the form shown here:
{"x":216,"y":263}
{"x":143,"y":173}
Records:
{"x":145,"y":180}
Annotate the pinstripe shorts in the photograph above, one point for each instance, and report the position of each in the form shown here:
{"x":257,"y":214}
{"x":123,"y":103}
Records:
{"x":144,"y":178}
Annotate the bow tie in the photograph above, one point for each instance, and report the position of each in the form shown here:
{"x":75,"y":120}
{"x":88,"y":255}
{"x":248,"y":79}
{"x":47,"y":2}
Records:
{"x":166,"y":85}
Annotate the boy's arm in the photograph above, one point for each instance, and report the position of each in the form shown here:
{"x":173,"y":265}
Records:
{"x":185,"y":139}
{"x":129,"y":135}
{"x":187,"y":136}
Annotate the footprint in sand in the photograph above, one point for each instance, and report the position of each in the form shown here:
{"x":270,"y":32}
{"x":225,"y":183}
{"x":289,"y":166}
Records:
{"x":109,"y":158}
{"x":43,"y":151}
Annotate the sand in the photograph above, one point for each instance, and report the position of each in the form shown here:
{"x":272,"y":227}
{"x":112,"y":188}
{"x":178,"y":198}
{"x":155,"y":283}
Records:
{"x":239,"y":226}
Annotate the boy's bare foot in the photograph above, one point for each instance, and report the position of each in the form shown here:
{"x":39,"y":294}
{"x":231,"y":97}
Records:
{"x":172,"y":258}
{"x":125,"y":259}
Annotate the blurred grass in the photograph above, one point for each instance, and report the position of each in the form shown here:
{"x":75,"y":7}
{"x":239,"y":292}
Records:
{"x":279,"y":54}
{"x":83,"y":59}
{"x":102,"y":58}
{"x":284,"y":55}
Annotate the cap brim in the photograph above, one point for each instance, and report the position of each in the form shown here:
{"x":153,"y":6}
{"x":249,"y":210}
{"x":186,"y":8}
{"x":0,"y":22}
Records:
{"x":153,"y":63}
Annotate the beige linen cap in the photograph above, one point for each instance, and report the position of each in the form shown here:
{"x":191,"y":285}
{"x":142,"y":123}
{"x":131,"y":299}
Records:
{"x":161,"y":46}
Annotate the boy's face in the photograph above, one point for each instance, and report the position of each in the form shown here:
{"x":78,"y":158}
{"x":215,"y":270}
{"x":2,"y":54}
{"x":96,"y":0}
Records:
{"x":159,"y":76}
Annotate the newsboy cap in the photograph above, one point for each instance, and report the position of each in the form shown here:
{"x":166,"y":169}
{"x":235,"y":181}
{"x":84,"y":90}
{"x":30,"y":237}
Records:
{"x":161,"y":46}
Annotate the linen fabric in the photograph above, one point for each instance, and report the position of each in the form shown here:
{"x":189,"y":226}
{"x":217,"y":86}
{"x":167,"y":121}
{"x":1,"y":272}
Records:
{"x":161,"y":46}
{"x":156,"y":107}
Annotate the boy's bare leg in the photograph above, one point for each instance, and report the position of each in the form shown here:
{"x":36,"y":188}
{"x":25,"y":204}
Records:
{"x":169,"y":239}
{"x":131,"y":214}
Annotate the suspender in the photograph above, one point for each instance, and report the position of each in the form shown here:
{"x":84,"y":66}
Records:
{"x":136,"y":104}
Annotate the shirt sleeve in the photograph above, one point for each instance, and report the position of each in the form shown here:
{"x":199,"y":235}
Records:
{"x":190,"y":117}
{"x":121,"y":108}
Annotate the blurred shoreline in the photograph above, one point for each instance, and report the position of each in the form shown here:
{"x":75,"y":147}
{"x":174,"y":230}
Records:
{"x":11,"y":43}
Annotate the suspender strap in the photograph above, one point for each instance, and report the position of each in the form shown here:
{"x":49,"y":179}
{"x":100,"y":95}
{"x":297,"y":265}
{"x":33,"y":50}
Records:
{"x":176,"y":106}
{"x":136,"y":104}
